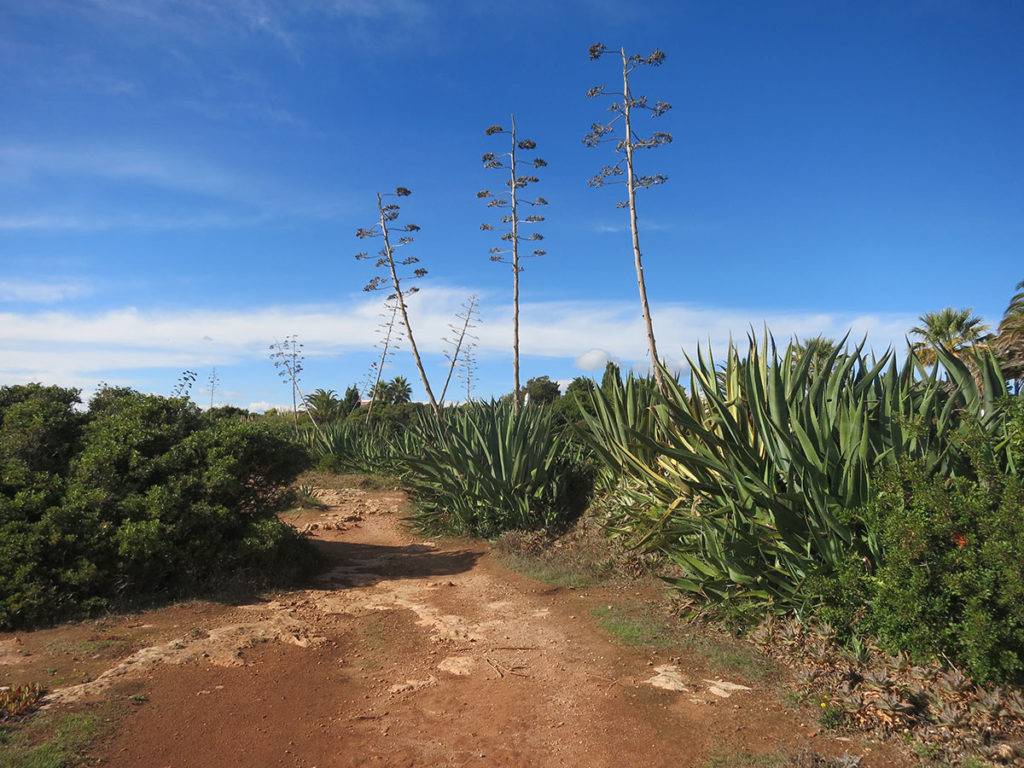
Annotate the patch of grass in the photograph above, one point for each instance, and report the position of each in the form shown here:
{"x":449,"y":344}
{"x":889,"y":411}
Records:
{"x":548,"y":573}
{"x":52,"y":740}
{"x":793,"y":698}
{"x":634,"y":628}
{"x":747,"y":760}
{"x":733,"y":656}
{"x":831,"y":716}
{"x":338,"y":481}
{"x":85,"y":647}
{"x":638,"y":627}
{"x":807,"y":758}
{"x":975,"y":762}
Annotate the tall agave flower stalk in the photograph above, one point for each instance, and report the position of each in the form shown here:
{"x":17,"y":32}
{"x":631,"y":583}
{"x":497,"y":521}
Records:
{"x":620,"y":131}
{"x":460,"y":342}
{"x":395,"y":272}
{"x":514,"y":222}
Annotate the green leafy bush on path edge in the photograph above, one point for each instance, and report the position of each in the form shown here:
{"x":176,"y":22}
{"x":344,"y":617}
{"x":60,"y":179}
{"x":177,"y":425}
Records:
{"x":140,"y":498}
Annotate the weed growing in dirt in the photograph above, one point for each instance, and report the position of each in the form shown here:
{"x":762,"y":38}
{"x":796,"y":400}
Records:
{"x":832,"y":716}
{"x":633,"y":629}
{"x":548,"y":573}
{"x":646,"y":628}
{"x":19,"y":700}
{"x":52,"y":741}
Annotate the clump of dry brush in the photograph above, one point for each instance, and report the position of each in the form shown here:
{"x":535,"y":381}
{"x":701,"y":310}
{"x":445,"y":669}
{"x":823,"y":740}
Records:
{"x":19,"y":700}
{"x":939,"y":707}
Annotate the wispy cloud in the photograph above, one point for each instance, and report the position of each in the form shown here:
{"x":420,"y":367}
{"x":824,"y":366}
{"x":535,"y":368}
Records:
{"x":197,"y":22}
{"x":40,"y":292}
{"x":206,"y":195}
{"x":82,"y":222}
{"x":68,"y":344}
{"x":20,"y":162}
{"x":607,"y":228}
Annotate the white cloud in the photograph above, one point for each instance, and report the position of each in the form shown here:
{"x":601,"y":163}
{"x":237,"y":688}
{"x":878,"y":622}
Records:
{"x":593,"y":360}
{"x":99,"y":222}
{"x":262,"y":406}
{"x":74,"y":344}
{"x":40,"y":292}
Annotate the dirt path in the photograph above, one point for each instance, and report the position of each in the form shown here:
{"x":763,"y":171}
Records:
{"x":411,"y":653}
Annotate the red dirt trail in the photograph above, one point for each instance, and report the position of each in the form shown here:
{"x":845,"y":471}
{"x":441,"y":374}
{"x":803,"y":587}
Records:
{"x":407,"y":653}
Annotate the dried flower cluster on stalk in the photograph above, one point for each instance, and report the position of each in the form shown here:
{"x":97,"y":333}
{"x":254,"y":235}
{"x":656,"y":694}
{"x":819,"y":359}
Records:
{"x":514,"y":227}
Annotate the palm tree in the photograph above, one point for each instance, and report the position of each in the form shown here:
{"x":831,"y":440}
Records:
{"x":1010,"y":341}
{"x":393,"y":392}
{"x":400,"y":391}
{"x":818,"y":348}
{"x":958,"y":331}
{"x":324,"y":405}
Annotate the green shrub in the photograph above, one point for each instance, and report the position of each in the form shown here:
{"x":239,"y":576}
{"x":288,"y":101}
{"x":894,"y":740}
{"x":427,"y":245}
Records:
{"x":143,"y":498}
{"x":487,"y":468}
{"x":948,"y":580}
{"x":951,"y":580}
{"x":39,"y":433}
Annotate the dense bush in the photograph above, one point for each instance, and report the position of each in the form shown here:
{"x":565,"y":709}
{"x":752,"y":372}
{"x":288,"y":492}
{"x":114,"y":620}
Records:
{"x":142,"y":497}
{"x":949,"y":580}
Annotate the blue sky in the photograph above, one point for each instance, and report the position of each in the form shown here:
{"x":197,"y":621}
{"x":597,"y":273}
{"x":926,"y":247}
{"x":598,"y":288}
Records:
{"x":180,"y":181}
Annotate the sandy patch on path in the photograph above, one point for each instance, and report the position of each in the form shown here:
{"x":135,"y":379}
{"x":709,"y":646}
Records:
{"x":11,"y":652}
{"x":221,"y":646}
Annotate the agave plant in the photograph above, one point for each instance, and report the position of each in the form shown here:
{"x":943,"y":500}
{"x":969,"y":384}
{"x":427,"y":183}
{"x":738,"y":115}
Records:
{"x":378,"y":448}
{"x":488,"y":468}
{"x":746,"y":480}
